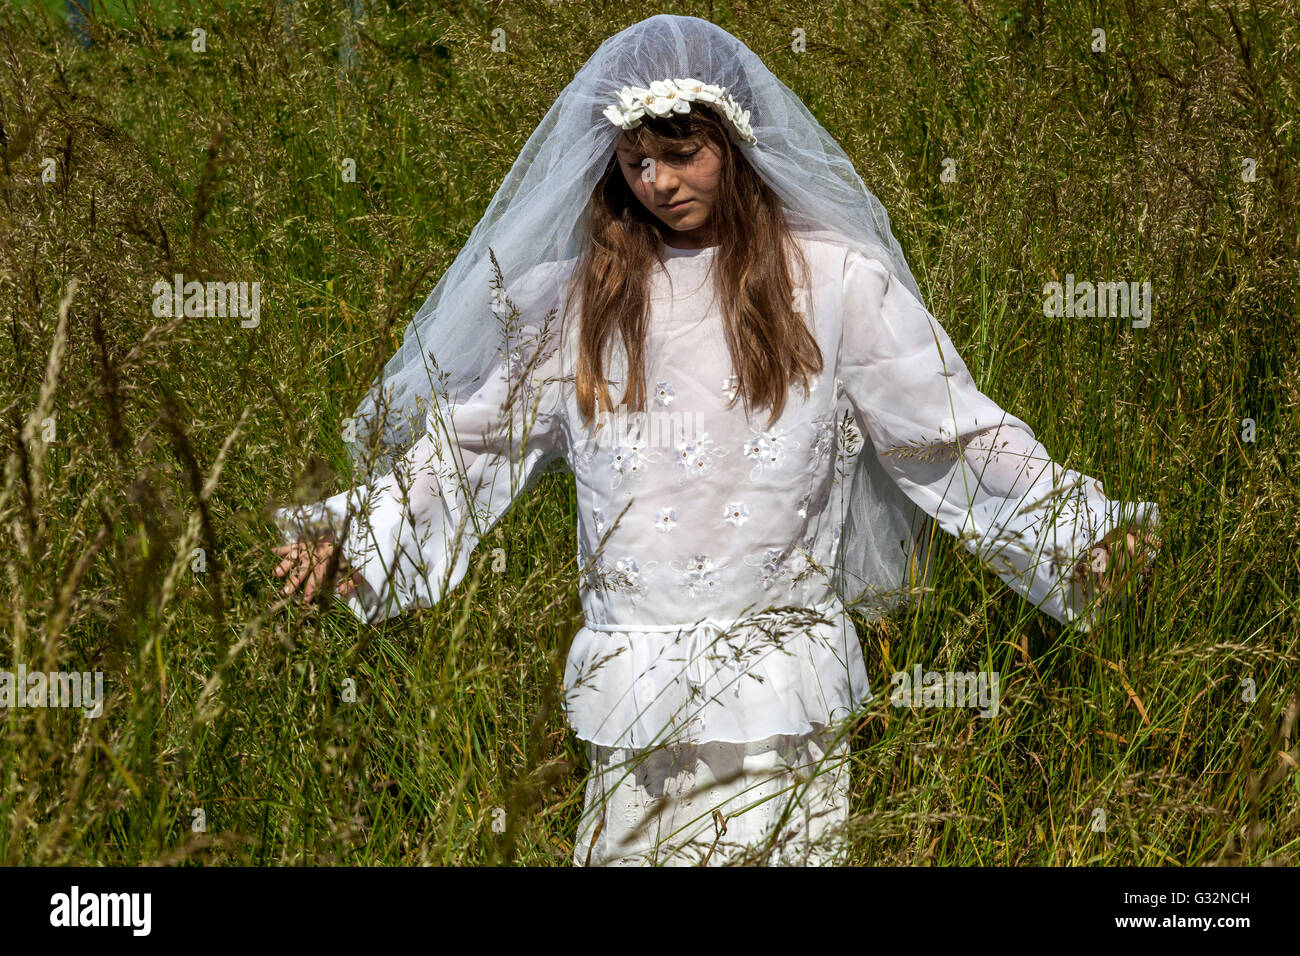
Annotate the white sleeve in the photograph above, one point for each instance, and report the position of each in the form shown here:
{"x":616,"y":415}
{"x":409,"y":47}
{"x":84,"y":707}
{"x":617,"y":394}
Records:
{"x":410,"y":534}
{"x":973,"y":467}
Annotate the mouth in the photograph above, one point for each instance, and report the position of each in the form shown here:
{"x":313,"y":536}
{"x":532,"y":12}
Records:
{"x":673,"y":207}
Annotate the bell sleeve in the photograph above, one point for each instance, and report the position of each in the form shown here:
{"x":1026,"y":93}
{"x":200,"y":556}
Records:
{"x":410,"y":533}
{"x":970,"y":465}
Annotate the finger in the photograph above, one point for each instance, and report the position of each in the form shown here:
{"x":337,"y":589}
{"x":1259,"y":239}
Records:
{"x":300,"y":573}
{"x":317,"y":579}
{"x":288,"y":554}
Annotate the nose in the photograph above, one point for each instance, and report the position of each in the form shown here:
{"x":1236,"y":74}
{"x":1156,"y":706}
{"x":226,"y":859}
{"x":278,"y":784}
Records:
{"x":665,"y":182}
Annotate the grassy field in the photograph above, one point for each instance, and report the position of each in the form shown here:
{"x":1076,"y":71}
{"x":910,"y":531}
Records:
{"x":129,"y":441}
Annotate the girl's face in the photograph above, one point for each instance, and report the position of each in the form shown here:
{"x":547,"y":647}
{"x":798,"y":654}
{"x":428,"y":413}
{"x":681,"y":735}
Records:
{"x":678,"y":184}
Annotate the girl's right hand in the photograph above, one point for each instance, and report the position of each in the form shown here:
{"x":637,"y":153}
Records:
{"x":1108,"y":569}
{"x":305,"y":560}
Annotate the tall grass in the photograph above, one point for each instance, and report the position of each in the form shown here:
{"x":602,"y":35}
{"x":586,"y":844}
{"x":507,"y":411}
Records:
{"x":135,"y":537}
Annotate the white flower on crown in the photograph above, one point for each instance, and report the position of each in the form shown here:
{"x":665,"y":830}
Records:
{"x":676,"y":96}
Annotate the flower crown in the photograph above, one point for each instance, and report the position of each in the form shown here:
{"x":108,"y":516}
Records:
{"x":676,"y":96}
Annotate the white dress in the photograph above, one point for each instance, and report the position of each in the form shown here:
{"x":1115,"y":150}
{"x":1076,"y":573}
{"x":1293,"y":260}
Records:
{"x":706,"y":539}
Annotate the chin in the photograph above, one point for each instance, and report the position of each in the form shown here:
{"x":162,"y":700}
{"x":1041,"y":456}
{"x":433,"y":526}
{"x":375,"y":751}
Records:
{"x":690,"y":225}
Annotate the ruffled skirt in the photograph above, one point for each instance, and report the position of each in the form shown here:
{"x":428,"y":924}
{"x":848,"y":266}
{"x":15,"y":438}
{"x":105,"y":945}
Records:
{"x":783,"y":671}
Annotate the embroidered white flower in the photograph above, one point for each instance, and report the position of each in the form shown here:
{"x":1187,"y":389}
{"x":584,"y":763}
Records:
{"x":736,"y":513}
{"x":632,"y":103}
{"x":625,"y":575}
{"x":630,"y":460}
{"x":696,"y":457}
{"x":730,"y":384}
{"x":628,"y":574}
{"x":700,"y":575}
{"x":823,"y":439}
{"x":802,"y":510}
{"x":770,"y":567}
{"x":664,"y":393}
{"x":598,"y":516}
{"x":768,"y":451}
{"x":667,"y":518}
{"x":784,"y":566}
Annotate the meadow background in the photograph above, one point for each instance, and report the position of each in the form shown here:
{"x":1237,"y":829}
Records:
{"x":176,"y":434}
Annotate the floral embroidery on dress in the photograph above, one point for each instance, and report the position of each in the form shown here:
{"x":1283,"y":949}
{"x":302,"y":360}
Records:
{"x":598,"y":516}
{"x":626,"y":574}
{"x":787,"y":566}
{"x":630,"y":460}
{"x":736,"y":513}
{"x":667,"y":518}
{"x":730,"y":385}
{"x":700,"y":574}
{"x":768,"y":451}
{"x":802,"y":510}
{"x":696,"y":457}
{"x":823,"y":439}
{"x":664,"y":393}
{"x":770,"y":567}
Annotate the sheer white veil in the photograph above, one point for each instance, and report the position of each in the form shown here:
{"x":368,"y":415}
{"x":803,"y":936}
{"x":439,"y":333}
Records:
{"x":537,"y":217}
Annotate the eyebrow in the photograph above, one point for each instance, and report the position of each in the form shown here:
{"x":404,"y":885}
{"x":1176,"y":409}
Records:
{"x":685,"y":144}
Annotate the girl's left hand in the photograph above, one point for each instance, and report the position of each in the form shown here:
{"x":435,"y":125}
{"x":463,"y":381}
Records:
{"x":306,"y":561}
{"x":1109,"y":572}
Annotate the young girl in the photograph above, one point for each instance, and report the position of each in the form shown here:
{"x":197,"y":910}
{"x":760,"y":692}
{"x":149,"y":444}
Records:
{"x":756,"y":408}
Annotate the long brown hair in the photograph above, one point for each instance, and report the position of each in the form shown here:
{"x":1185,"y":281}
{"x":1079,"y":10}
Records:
{"x":770,"y":343}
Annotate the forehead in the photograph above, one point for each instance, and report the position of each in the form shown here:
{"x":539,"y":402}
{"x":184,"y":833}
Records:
{"x":642,"y":140}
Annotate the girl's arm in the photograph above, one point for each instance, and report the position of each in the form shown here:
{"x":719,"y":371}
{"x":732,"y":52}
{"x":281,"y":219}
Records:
{"x":409,"y":535}
{"x":969,"y":464}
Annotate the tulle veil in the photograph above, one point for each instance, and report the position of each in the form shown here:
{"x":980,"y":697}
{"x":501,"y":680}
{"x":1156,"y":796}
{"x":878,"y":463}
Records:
{"x":536,"y":217}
